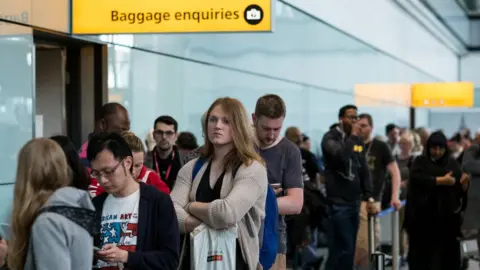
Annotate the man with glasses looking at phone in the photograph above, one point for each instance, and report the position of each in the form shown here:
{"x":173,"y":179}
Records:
{"x":138,"y":224}
{"x":348,"y":183}
{"x":165,"y":159}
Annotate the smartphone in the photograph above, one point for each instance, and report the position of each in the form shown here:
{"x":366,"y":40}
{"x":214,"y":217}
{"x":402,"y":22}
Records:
{"x":276,"y":185}
{"x":6,"y":231}
{"x":96,"y":249}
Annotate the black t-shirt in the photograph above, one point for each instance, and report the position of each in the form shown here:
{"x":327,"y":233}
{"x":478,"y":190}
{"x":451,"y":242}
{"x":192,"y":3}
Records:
{"x":379,"y":156}
{"x":172,"y":162}
{"x":310,"y":167}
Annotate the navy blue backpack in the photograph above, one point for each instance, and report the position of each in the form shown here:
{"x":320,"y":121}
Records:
{"x":269,"y":249}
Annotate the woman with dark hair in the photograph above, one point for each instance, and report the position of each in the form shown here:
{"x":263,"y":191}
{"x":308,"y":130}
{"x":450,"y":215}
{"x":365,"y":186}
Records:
{"x":78,"y":172}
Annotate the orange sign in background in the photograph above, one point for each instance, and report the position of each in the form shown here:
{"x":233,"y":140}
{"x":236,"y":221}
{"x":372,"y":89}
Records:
{"x":381,"y":95}
{"x":449,"y":94}
{"x":419,"y":95}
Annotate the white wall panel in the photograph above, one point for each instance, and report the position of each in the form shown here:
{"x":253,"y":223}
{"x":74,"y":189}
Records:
{"x":384,"y":25}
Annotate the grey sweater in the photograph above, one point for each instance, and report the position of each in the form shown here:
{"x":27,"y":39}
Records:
{"x":242,"y":203}
{"x":56,"y":242}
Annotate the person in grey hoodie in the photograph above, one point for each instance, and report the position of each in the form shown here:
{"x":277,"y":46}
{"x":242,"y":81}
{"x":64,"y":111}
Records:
{"x":52,"y":223}
{"x":62,"y":237}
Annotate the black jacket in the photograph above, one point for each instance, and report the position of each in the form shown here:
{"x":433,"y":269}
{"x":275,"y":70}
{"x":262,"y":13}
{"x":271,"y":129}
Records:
{"x":433,"y":209}
{"x":158,"y":239}
{"x":346,"y":170}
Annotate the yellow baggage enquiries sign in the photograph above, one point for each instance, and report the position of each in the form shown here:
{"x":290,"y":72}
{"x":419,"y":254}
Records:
{"x":91,"y":17}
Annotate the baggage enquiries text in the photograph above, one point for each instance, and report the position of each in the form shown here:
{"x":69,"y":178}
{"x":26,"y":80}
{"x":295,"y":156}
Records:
{"x":159,"y":17}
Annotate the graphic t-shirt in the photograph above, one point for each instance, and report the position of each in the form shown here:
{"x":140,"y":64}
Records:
{"x":378,"y":156}
{"x":119,"y":224}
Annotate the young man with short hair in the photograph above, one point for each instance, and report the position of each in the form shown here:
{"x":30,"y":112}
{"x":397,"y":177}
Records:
{"x":284,"y":164}
{"x":165,"y":159}
{"x":381,"y":164}
{"x":112,"y":117}
{"x":139,"y":228}
{"x":393,"y":137}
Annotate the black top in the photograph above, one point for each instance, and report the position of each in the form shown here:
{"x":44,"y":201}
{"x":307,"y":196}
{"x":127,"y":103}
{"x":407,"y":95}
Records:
{"x":172,"y":161}
{"x":346,"y":170}
{"x":158,"y":243}
{"x":206,"y":194}
{"x":459,"y":159}
{"x":433,"y":209}
{"x":379,"y":156}
{"x":310,"y":166}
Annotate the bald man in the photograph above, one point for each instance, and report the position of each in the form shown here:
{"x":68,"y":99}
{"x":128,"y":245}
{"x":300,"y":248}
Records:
{"x":113,"y":117}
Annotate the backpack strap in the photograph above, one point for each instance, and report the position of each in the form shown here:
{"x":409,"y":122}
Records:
{"x":83,"y":217}
{"x":196,"y":168}
{"x":199,"y":163}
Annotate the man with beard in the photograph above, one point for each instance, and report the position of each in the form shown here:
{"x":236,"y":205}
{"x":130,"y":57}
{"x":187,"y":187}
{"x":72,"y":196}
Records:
{"x":348,"y":184}
{"x":284,"y":165}
{"x":165,"y":159}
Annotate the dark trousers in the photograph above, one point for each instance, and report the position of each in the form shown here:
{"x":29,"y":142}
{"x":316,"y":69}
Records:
{"x":441,"y":252}
{"x":342,"y":236}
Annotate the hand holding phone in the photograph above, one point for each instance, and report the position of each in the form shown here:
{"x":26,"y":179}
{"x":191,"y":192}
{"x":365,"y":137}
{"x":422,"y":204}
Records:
{"x":277,"y":187}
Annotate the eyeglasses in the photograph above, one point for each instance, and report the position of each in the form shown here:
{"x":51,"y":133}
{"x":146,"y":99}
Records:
{"x":162,"y":133}
{"x":352,"y":117}
{"x":107,"y":173}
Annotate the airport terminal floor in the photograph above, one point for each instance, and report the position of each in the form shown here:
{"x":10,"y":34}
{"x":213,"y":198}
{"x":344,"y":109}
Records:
{"x":383,"y":81}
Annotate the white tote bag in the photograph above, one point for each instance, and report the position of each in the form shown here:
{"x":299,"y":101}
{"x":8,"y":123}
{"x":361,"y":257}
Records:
{"x":213,"y":249}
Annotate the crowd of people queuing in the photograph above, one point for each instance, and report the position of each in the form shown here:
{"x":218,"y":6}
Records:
{"x":124,"y":203}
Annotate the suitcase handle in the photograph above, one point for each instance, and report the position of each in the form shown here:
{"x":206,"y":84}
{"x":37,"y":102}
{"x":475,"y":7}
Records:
{"x":377,"y":258}
{"x":378,"y":261}
{"x":371,"y":234}
{"x":372,"y":218}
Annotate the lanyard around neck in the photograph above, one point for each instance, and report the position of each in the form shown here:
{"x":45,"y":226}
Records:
{"x":167,"y":174}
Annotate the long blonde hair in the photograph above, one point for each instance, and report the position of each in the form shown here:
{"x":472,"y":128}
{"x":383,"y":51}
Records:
{"x":244,"y":139}
{"x":42,"y":168}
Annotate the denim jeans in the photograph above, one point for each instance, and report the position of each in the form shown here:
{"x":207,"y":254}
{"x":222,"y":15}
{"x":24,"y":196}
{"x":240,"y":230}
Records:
{"x":342,"y":235}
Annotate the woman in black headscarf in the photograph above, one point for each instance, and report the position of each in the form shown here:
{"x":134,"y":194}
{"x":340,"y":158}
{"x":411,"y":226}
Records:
{"x":434,"y":206}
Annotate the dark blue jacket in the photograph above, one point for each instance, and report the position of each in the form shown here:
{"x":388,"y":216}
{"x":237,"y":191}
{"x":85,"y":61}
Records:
{"x":158,"y":238}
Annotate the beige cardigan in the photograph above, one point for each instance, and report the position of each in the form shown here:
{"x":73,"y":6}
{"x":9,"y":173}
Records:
{"x":242,"y":202}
